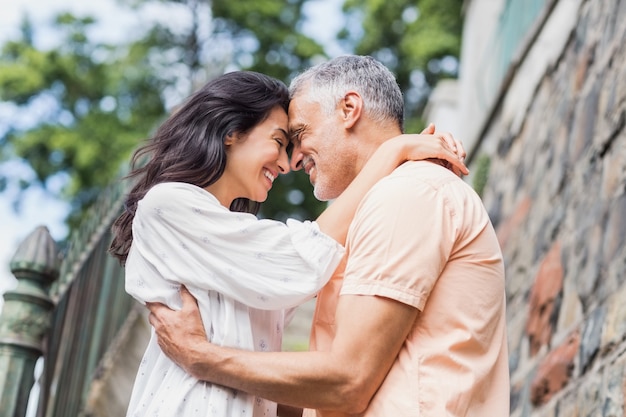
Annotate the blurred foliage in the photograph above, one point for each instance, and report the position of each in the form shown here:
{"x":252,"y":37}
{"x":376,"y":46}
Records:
{"x":87,"y":105}
{"x":419,"y":40}
{"x":481,"y":174}
{"x":281,"y":49}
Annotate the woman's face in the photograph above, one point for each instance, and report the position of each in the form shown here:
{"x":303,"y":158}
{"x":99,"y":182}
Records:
{"x":254,"y":160}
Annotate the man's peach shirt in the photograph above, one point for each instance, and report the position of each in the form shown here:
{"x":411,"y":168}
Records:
{"x":422,"y":237}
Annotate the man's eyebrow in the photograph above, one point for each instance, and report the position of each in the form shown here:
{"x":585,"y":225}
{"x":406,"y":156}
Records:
{"x":295,"y":132}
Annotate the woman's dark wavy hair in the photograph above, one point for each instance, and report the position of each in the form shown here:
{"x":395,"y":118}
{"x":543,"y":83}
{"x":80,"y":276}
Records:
{"x":189,"y":146}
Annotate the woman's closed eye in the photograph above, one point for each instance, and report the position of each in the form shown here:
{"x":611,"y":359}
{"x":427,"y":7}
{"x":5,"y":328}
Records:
{"x":281,"y":142}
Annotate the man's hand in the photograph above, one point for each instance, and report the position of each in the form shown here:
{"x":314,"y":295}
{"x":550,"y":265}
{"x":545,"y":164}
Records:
{"x":178,"y":331}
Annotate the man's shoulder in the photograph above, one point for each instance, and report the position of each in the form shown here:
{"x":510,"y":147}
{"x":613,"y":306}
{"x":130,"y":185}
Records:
{"x":421,"y":182}
{"x":424,"y":169}
{"x":415,"y":175}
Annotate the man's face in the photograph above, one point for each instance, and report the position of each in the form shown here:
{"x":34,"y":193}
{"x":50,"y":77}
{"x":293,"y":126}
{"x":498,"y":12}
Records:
{"x":319,"y":148}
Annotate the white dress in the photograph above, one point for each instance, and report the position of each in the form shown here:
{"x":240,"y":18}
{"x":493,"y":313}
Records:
{"x":244,"y":272}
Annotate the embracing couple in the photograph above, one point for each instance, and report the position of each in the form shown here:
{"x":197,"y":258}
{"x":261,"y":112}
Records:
{"x":408,"y":273}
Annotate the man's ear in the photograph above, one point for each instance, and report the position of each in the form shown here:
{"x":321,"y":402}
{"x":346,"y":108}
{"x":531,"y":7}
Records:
{"x":351,"y":108}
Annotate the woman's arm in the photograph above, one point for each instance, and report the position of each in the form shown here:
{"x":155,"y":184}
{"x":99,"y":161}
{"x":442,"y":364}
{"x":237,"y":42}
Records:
{"x":335,"y":220}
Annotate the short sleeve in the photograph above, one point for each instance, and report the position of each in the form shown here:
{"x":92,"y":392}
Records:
{"x":399,"y":242}
{"x":182,"y":235}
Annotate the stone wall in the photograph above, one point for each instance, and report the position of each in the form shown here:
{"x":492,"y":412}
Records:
{"x":556,"y":193}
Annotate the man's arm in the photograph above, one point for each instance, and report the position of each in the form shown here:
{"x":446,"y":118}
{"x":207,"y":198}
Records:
{"x":370,"y":333}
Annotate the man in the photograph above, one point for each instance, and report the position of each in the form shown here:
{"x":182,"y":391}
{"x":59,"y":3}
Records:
{"x":413,"y":322}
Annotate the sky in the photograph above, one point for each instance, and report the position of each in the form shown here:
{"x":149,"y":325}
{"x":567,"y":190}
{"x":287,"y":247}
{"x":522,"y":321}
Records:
{"x":39,"y":207}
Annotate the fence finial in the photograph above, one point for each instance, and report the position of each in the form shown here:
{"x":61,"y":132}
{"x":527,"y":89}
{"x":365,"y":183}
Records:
{"x":25,"y":318}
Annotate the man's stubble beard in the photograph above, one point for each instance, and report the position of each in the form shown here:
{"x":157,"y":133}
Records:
{"x":335,"y":170}
{"x":328,"y":190}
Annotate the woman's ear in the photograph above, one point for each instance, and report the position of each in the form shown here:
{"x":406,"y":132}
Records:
{"x":230,"y":139}
{"x":351,"y":108}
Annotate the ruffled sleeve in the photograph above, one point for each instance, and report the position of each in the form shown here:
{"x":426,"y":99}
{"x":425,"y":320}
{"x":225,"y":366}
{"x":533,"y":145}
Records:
{"x":182,"y":235}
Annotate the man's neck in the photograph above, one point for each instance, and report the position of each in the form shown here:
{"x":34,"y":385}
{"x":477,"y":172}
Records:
{"x":371,"y":139}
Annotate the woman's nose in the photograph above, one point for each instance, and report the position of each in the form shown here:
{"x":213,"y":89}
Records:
{"x":283,"y":162}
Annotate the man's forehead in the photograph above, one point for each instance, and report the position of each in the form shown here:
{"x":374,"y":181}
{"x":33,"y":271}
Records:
{"x":295,"y":104}
{"x":297,"y":117}
{"x":301,"y":106}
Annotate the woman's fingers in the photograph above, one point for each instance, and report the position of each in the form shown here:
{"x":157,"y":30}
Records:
{"x":458,"y":166}
{"x":429,"y":130}
{"x":456,"y":147}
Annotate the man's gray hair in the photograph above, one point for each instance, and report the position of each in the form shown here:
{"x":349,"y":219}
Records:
{"x":328,"y":82}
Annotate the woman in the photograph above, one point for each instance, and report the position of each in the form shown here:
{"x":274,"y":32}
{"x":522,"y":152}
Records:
{"x":190,"y":220}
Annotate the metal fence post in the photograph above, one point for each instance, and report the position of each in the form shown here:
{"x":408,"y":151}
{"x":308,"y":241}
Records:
{"x":25,"y":319}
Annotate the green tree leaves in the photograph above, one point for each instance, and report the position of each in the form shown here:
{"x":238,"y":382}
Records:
{"x":89,"y":104}
{"x":419,"y":40}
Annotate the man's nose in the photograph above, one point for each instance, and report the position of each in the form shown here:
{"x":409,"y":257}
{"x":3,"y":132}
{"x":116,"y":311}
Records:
{"x":296,"y":159}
